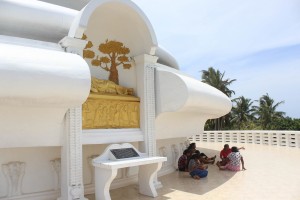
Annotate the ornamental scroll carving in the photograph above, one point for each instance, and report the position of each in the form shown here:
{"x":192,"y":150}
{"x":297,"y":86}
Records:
{"x":110,"y":106}
{"x":56,"y":166}
{"x":14,"y":172}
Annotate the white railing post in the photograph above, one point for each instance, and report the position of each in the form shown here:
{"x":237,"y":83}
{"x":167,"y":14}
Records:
{"x":257,"y":138}
{"x":297,"y":140}
{"x":219,"y":136}
{"x":292,"y":139}
{"x":274,"y":138}
{"x":282,"y":139}
{"x":242,"y":137}
{"x":234,"y":137}
{"x":204,"y":137}
{"x":266,"y":138}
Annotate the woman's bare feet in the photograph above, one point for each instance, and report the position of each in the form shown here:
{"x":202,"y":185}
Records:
{"x":219,"y":165}
{"x":196,"y":177}
{"x":213,"y":158}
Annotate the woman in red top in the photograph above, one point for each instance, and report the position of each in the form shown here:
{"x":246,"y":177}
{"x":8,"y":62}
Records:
{"x":224,"y":154}
{"x":234,"y":159}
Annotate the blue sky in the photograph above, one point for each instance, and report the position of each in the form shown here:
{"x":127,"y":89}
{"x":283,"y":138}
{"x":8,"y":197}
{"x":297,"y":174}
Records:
{"x":256,"y":42}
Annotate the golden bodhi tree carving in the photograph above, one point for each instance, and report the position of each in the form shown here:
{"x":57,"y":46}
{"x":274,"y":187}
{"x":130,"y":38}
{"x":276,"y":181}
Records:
{"x":116,"y":54}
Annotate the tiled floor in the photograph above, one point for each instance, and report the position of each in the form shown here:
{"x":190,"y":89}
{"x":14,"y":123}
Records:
{"x":272,"y":173}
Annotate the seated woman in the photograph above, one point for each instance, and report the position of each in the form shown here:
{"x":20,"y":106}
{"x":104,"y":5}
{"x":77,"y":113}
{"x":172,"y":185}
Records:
{"x":224,"y":153}
{"x":204,"y":158}
{"x":192,"y":147}
{"x":183,"y":160}
{"x":234,"y":159}
{"x":196,"y":168}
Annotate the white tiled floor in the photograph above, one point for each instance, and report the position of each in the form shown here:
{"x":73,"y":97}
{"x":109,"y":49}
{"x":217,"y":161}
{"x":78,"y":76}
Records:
{"x":272,"y":173}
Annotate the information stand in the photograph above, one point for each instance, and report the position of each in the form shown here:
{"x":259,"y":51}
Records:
{"x":118,"y":156}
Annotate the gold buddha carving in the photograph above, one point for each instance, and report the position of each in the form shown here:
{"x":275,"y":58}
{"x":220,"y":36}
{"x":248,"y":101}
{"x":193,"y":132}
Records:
{"x":109,"y":87}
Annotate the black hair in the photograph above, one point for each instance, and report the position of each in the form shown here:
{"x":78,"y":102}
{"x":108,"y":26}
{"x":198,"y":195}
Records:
{"x":226,"y":145}
{"x":192,"y":145}
{"x":234,"y":149}
{"x":198,"y":156}
{"x":195,"y":156}
{"x":186,"y":151}
{"x":197,"y":152}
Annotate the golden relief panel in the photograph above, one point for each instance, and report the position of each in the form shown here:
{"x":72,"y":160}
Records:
{"x":110,"y":106}
{"x":110,"y":113}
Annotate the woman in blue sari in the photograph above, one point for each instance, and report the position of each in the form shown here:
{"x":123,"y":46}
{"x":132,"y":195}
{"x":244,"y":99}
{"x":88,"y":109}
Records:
{"x":196,"y":168}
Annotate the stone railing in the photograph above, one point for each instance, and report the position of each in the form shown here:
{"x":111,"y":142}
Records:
{"x":276,"y":138}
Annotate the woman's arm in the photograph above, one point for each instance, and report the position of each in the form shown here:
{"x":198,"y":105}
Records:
{"x":243,"y":164}
{"x":221,"y":156}
{"x":192,"y":165}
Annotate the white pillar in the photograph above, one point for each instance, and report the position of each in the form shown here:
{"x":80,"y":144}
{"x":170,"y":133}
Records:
{"x":145,"y":67}
{"x":71,"y":162}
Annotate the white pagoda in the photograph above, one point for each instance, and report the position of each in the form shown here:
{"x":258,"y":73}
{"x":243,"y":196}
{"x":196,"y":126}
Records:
{"x":78,"y":76}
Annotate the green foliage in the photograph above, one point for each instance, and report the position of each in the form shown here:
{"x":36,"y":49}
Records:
{"x":216,"y":79}
{"x":242,"y":111}
{"x":286,"y":124}
{"x":209,"y":125}
{"x":244,"y":115}
{"x":267,"y":111}
{"x":249,"y":125}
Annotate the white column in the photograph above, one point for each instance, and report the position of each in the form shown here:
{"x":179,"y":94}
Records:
{"x":145,"y":67}
{"x":71,"y":162}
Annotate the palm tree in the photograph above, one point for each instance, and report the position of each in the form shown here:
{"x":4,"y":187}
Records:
{"x":215,"y":78}
{"x":242,"y":112}
{"x":266,"y":111}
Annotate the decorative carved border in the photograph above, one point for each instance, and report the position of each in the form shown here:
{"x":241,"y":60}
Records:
{"x":149,"y":78}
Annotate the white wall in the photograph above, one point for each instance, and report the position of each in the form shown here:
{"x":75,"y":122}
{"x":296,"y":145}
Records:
{"x":171,"y":148}
{"x":39,"y":175}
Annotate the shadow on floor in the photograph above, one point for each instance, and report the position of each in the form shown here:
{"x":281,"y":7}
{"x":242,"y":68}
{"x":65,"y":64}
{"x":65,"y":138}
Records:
{"x":178,"y":181}
{"x":182,"y":181}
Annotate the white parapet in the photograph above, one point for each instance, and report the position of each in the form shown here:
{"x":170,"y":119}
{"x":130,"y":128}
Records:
{"x":263,"y":137}
{"x":38,"y":86}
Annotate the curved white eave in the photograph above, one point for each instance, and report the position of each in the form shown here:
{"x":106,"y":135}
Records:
{"x":35,"y":20}
{"x":80,"y":22}
{"x":166,"y":58}
{"x":183,"y":104}
{"x":40,"y":76}
{"x":38,"y":86}
{"x":177,"y":92}
{"x":48,"y":22}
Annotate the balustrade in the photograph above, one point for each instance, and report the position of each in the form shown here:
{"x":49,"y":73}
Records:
{"x":274,"y":138}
